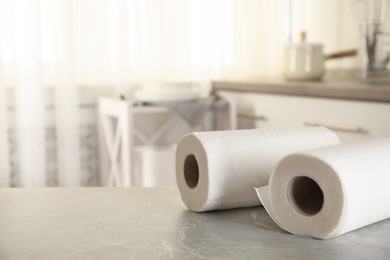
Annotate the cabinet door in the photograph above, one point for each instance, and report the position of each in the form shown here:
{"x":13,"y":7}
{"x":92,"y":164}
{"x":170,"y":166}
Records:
{"x":271,"y":111}
{"x":259,"y":110}
{"x":351,"y":120}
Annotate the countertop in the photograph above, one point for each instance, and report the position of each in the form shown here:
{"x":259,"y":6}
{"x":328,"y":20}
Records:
{"x":153,"y":223}
{"x":332,"y":86}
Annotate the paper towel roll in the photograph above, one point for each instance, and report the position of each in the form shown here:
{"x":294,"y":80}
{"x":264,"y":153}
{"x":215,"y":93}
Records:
{"x":330,"y":191}
{"x":218,"y":170}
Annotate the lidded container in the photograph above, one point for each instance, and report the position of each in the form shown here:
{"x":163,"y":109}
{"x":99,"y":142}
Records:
{"x":303,"y":61}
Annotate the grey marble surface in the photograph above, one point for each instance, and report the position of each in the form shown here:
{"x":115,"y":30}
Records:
{"x":153,"y":223}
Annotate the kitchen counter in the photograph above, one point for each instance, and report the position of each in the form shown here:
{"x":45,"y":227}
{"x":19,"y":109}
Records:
{"x":335,"y":87}
{"x":153,"y":223}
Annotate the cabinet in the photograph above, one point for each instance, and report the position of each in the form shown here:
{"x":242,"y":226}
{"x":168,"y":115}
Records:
{"x":352,"y":120}
{"x":271,"y":111}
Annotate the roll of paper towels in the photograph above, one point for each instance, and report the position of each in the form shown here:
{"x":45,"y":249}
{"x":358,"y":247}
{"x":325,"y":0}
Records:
{"x":218,"y":170}
{"x":327,"y":192}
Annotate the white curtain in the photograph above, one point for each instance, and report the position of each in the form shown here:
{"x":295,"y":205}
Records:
{"x":58,"y":56}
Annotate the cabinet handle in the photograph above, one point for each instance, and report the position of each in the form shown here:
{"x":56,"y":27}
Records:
{"x":252,"y":117}
{"x":336,"y":127}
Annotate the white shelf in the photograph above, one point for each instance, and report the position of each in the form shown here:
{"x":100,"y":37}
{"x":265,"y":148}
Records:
{"x":119,"y":132}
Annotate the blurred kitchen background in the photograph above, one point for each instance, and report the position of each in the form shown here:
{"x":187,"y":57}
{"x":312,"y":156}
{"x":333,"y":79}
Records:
{"x":59,"y":57}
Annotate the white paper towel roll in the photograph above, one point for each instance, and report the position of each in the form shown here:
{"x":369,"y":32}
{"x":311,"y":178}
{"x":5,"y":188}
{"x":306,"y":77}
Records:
{"x":218,"y":170}
{"x":330,"y":191}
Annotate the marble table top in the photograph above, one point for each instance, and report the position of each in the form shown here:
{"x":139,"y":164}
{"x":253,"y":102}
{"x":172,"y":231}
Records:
{"x":153,"y":223}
